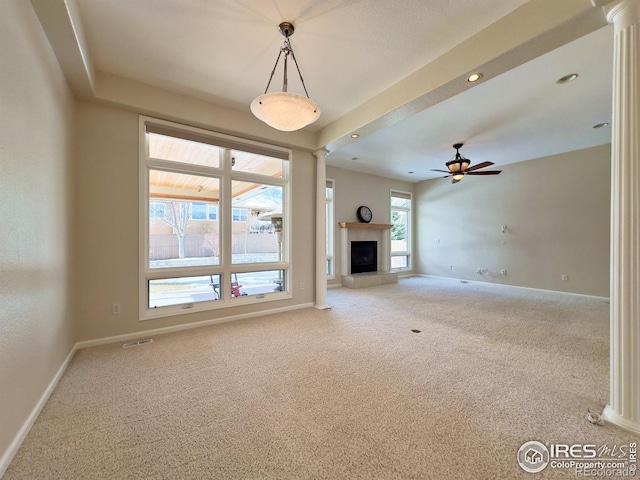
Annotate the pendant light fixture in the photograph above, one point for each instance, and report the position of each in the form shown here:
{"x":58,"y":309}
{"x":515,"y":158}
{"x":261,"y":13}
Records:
{"x":284,"y":110}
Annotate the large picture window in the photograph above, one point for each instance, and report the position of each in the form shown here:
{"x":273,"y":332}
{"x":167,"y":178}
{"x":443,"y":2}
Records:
{"x":214,"y":220}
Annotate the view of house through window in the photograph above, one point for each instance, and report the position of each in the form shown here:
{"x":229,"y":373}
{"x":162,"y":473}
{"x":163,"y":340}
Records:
{"x":400,"y":230}
{"x":215,"y":220}
{"x":182,"y":231}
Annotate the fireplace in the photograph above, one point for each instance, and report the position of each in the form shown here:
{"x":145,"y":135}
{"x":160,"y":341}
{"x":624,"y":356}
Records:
{"x":364,"y":256}
{"x":357,"y":257}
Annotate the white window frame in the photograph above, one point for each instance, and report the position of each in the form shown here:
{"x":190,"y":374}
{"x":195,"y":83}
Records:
{"x":191,"y":211}
{"x":404,"y":253}
{"x":207,"y":211}
{"x":244,"y":216}
{"x":211,"y":208}
{"x":226,"y":268}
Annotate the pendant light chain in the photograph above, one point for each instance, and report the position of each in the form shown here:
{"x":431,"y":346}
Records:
{"x":293,"y":55}
{"x":273,"y":71}
{"x":287,"y":49}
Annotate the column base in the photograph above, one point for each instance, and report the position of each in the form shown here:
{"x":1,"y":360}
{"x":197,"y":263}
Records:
{"x":610,"y":416}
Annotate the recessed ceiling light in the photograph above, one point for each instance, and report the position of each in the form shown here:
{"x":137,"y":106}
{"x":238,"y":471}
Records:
{"x":474,"y":77}
{"x":567,"y":78}
{"x":355,"y":135}
{"x":600,"y":125}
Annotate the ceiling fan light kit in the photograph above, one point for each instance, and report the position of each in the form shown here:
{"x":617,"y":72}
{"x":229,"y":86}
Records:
{"x":460,"y":166}
{"x":284,"y":110}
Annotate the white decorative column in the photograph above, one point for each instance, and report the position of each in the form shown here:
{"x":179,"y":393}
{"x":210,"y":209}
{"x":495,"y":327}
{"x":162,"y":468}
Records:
{"x":321,"y":230}
{"x":624,"y":403}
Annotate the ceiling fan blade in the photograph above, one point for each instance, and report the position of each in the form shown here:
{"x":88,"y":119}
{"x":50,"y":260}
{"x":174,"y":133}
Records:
{"x":486,"y":172}
{"x":443,"y":171}
{"x":455,"y":180}
{"x":480,"y":165}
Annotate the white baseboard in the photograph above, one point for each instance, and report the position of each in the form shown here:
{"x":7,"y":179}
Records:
{"x":187,"y":326}
{"x":610,"y":416}
{"x":597,"y":297}
{"x":8,"y":455}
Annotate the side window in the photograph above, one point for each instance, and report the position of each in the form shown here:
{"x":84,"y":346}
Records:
{"x":329,"y":192}
{"x":400,"y":230}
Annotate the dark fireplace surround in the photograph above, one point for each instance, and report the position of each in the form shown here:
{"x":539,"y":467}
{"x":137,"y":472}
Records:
{"x":364,"y":256}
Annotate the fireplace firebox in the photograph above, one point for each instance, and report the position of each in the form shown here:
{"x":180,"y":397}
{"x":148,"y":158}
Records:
{"x":364,"y":256}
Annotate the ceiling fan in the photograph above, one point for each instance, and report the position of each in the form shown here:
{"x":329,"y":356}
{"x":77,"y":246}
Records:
{"x":459,"y":167}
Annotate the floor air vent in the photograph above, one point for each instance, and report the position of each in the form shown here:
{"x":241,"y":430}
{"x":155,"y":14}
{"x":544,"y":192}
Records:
{"x":142,"y":341}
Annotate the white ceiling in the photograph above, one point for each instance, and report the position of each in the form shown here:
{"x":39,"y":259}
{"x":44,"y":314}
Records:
{"x":351,"y":51}
{"x":519,"y":115}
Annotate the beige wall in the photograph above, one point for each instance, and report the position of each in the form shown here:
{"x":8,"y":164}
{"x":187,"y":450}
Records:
{"x":36,"y":119}
{"x":106,"y":233}
{"x":69,"y":216}
{"x":353,"y":189}
{"x":557,"y":214}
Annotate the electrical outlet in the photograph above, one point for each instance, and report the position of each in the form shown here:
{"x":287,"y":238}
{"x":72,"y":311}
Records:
{"x":565,"y":277}
{"x":450,"y":267}
{"x":115,"y":309}
{"x":301,"y":286}
{"x":503,"y":272}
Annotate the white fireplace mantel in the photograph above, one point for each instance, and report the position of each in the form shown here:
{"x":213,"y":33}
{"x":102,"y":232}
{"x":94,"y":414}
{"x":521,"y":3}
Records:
{"x":356,"y":232}
{"x":366,"y":226}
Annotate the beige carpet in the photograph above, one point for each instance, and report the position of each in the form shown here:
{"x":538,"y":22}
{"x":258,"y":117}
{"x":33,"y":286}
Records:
{"x":350,"y":393}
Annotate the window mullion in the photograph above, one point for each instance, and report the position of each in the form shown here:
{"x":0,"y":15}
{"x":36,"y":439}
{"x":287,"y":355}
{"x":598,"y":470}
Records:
{"x":172,"y":272}
{"x":170,"y":166}
{"x":225,"y":214}
{"x":256,"y":178}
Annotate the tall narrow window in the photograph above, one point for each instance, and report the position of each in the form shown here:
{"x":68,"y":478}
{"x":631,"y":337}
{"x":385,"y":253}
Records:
{"x":214,"y":227}
{"x":400,"y":230}
{"x":329,"y":192}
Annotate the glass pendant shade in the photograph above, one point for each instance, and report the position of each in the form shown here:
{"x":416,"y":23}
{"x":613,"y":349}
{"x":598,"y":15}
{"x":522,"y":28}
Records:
{"x":285,"y":111}
{"x":458,"y":165}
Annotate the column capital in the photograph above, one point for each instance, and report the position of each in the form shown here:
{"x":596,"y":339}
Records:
{"x":621,"y":13}
{"x":322,"y":152}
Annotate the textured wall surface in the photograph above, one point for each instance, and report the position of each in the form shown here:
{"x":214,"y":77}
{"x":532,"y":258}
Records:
{"x":36,"y":120}
{"x":556,"y":211}
{"x":107,"y":228}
